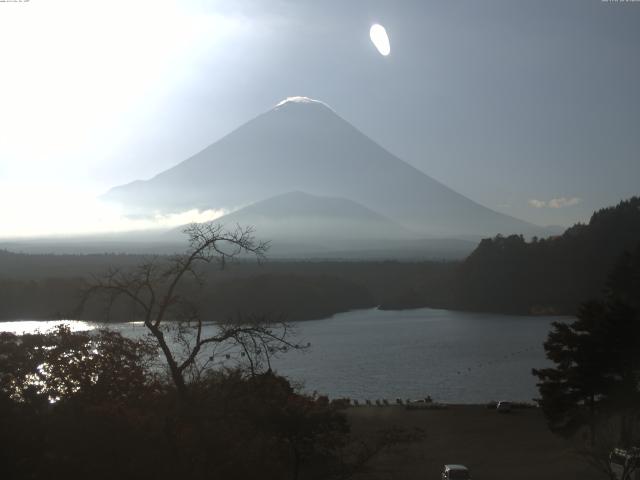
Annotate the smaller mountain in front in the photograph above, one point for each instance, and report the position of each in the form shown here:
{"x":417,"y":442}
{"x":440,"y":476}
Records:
{"x":300,"y":224}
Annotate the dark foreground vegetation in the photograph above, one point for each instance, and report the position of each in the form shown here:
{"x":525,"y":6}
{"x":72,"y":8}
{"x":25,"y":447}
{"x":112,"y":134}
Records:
{"x":593,"y":388}
{"x":80,"y":406}
{"x":503,"y":274}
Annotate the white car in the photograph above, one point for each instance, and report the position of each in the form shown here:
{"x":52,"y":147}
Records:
{"x":455,"y":472}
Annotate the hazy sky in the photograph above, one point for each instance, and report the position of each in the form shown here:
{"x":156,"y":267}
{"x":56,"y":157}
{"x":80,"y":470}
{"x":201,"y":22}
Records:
{"x":530,"y":108}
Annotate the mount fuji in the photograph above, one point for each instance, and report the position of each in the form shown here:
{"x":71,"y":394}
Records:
{"x":303,"y":145}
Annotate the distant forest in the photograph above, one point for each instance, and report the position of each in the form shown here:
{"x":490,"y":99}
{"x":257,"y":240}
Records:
{"x":503,"y":275}
{"x":50,"y":286}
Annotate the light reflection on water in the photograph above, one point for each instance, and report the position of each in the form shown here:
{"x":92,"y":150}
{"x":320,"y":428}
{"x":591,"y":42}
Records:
{"x":458,"y":357}
{"x":20,"y":327}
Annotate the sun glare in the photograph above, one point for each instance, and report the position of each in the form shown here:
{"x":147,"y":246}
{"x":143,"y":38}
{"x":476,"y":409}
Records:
{"x":77,"y":78}
{"x":380,"y":39}
{"x":73,"y":68}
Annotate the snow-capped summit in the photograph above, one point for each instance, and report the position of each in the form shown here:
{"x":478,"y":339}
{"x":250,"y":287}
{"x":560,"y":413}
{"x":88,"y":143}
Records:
{"x":300,"y":99}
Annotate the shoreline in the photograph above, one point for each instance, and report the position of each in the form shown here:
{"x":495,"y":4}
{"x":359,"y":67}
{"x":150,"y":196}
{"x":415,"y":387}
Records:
{"x":380,"y":308}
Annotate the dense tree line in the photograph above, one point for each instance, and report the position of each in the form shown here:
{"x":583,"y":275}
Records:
{"x":294,"y":297}
{"x":49,"y":286}
{"x":554,"y":275}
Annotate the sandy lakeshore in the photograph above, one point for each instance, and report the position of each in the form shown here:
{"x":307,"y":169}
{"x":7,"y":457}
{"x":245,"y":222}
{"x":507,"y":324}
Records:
{"x":493,"y":446}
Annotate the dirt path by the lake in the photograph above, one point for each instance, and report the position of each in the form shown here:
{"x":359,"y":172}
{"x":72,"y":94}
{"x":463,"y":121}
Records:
{"x":494,"y":446}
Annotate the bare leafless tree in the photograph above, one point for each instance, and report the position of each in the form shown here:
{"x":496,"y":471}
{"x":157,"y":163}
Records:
{"x":153,"y":291}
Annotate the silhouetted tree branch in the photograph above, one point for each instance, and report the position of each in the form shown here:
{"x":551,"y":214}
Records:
{"x":153,"y":291}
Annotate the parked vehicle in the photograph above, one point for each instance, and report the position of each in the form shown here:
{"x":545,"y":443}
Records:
{"x":625,"y":463}
{"x":455,"y":472}
{"x":503,"y":407}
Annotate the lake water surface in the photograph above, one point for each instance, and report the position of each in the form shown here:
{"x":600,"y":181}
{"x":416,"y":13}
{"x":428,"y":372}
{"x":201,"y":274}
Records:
{"x":456,"y":357}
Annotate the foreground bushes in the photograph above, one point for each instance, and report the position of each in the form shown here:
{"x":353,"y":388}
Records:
{"x":78,"y":405}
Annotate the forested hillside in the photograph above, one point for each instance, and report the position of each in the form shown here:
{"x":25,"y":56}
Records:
{"x":509,"y":274}
{"x":50,"y":286}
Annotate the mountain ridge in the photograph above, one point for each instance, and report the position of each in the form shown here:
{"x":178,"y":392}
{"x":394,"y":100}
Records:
{"x":303,"y":146}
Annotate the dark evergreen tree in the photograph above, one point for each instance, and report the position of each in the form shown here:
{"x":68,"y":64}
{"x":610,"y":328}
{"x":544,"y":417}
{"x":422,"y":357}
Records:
{"x":596,"y":376}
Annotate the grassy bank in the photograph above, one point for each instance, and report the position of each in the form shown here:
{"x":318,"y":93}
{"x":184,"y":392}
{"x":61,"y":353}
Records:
{"x":494,"y":446}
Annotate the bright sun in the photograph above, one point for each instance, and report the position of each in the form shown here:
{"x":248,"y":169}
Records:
{"x":77,"y":78}
{"x":380,"y":39}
